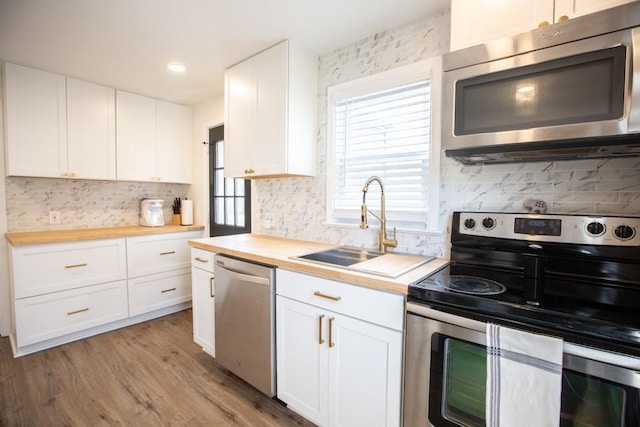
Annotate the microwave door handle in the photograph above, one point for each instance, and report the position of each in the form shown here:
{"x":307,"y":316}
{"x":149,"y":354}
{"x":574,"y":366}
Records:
{"x":634,"y":112}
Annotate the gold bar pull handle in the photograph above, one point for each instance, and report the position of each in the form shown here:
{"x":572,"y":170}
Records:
{"x":201,"y":259}
{"x":168,"y":253}
{"x":331,"y":297}
{"x":164,"y":291}
{"x":331,"y":343}
{"x":211,"y":287}
{"x":84,"y":264}
{"x":320,"y":339}
{"x":71,"y":313}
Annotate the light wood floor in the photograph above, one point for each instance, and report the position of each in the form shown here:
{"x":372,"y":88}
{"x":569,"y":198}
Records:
{"x":149,"y":374}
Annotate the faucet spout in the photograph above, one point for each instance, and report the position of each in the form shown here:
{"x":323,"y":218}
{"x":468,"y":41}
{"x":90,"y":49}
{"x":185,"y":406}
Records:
{"x":383,"y":241}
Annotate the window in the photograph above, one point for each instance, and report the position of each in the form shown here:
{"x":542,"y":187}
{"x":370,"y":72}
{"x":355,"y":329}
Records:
{"x":386,"y":125}
{"x":230,"y":208}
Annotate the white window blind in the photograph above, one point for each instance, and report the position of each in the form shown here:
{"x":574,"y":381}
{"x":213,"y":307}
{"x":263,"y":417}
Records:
{"x":385,"y":132}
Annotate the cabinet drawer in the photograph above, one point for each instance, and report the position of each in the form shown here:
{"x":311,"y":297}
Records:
{"x":157,"y":291}
{"x":43,"y":269}
{"x":371,"y":305}
{"x":159,"y":253}
{"x":202,"y":259}
{"x":49,"y":316}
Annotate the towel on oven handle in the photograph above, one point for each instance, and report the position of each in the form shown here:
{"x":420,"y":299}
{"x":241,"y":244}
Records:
{"x":524,"y":378}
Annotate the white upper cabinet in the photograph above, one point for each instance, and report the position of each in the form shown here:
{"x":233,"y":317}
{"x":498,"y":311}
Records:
{"x":270,"y":114}
{"x":36,"y":122}
{"x":477,"y":21}
{"x":58,"y":127}
{"x":91,"y":130}
{"x":153,"y":139}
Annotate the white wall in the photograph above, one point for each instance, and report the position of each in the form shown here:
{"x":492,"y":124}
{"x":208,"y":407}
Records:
{"x":206,"y":115}
{"x":5,"y":313}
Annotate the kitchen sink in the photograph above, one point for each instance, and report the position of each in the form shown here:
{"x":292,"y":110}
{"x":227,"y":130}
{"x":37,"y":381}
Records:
{"x":342,"y":256}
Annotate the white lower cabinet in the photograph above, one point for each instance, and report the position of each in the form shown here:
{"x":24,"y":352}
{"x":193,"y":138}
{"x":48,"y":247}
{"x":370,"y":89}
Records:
{"x":334,"y":368}
{"x":53,"y":315}
{"x":203,"y":291}
{"x":156,"y":291}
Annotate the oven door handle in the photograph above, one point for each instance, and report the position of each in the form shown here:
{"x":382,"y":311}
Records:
{"x":617,"y":359}
{"x":422,"y":310}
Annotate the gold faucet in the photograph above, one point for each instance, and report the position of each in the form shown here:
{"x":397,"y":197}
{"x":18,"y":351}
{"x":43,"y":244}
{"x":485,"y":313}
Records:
{"x":383,"y":241}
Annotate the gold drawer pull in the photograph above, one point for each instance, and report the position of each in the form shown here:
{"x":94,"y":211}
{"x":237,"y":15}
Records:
{"x":168,"y":253}
{"x":201,"y":259}
{"x":331,"y":343}
{"x":320,"y":340}
{"x":211,"y":287}
{"x":321,"y":295}
{"x":167,"y":290}
{"x":82,"y":310}
{"x":76,"y":265}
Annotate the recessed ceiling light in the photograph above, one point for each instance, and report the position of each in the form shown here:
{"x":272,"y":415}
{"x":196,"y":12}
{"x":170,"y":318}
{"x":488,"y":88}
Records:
{"x":176,"y":67}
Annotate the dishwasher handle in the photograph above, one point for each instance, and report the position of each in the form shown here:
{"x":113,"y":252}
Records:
{"x":244,"y":277}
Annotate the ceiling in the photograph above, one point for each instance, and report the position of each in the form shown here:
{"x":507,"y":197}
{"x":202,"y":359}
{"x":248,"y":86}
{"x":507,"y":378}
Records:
{"x":127,"y":44}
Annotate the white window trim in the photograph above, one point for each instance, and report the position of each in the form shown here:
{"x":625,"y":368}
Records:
{"x":430,"y":68}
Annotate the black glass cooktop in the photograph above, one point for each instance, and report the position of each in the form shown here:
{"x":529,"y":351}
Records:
{"x":585,"y":322}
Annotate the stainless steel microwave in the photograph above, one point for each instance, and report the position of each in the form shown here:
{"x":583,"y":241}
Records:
{"x":567,"y":91}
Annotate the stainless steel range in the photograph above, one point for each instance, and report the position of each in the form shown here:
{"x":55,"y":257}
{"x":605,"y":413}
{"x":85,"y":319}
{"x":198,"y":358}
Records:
{"x":567,"y":276}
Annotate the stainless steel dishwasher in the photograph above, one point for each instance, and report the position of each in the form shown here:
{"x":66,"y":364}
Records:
{"x":244,"y":321}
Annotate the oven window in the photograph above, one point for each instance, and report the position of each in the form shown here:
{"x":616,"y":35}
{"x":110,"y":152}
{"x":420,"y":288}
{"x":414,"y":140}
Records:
{"x":457,"y":391}
{"x":590,"y":401}
{"x":578,"y":89}
{"x":464,"y":382}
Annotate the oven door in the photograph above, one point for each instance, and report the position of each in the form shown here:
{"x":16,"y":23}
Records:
{"x":445,"y":377}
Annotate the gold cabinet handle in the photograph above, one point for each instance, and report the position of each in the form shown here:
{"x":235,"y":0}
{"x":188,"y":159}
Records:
{"x":543,"y":24}
{"x":321,"y":295}
{"x":72,"y":174}
{"x":320,"y":339}
{"x":331,"y":343}
{"x":76,"y":265}
{"x":164,"y":291}
{"x":247,"y":171}
{"x":211,"y":287}
{"x":168,"y":253}
{"x":201,"y":259}
{"x":82,"y":310}
{"x":563,"y":18}
{"x":63,"y":174}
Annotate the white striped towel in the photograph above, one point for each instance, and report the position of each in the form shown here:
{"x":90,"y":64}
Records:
{"x":524,"y":378}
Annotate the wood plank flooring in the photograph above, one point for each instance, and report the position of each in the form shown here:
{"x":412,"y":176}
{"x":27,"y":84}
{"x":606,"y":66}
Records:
{"x":149,"y":374}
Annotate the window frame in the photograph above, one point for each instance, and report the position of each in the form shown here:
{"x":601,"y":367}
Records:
{"x":427,"y":69}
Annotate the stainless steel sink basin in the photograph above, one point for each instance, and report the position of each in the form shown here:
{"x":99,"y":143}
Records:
{"x":341,"y":256}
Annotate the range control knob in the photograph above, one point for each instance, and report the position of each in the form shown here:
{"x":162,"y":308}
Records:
{"x":469,"y":223}
{"x":595,"y":228}
{"x":624,"y":232}
{"x":488,"y":223}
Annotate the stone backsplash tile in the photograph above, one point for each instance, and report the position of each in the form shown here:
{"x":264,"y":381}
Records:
{"x":82,"y":204}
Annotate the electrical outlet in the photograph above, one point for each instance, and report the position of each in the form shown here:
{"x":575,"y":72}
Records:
{"x":267,"y":221}
{"x":54,"y":217}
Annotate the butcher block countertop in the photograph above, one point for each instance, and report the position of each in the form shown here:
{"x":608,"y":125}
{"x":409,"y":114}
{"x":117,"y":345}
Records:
{"x":278,"y":251}
{"x":75,"y":235}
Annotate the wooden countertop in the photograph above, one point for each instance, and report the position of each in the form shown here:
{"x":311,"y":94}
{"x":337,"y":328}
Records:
{"x":60,"y":236}
{"x":277,"y":251}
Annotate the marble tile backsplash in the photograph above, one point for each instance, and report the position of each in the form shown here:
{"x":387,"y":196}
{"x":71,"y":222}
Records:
{"x":298,"y":205}
{"x":82,"y":204}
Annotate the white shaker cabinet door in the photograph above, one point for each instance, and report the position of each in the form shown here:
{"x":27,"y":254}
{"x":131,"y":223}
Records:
{"x":91,"y":130}
{"x":36,"y":126}
{"x":173,"y":142}
{"x":301,"y":347}
{"x":365,"y":381}
{"x":135,"y":137}
{"x":203,"y":294}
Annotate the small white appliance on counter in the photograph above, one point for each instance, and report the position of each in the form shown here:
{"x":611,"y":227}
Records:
{"x":152,"y":212}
